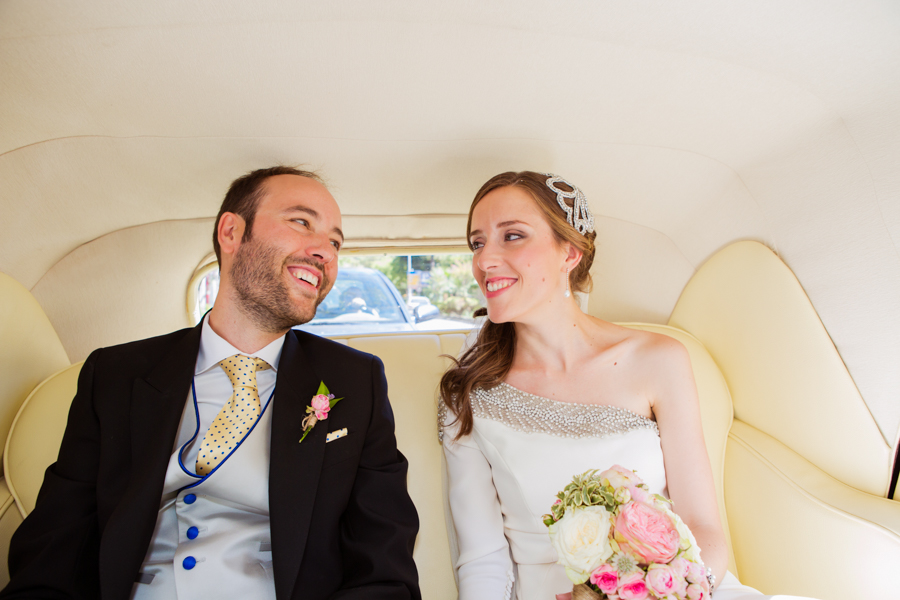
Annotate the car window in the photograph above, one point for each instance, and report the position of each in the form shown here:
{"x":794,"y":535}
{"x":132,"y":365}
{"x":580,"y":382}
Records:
{"x":378,"y":293}
{"x":360,"y":295}
{"x":438,"y":290}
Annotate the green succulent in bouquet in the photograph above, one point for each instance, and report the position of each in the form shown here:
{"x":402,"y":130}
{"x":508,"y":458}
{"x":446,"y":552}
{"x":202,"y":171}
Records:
{"x":587,"y":489}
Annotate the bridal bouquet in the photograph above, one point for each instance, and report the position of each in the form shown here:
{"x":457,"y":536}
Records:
{"x":618,"y":541}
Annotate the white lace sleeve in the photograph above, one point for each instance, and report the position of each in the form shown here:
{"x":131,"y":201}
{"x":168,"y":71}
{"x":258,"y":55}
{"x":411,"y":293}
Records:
{"x":484,"y":568}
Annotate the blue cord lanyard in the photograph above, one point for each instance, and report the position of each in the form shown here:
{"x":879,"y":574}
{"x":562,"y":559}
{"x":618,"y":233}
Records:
{"x":202,"y":478}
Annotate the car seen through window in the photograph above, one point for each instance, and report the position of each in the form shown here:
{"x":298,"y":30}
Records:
{"x":364,"y":300}
{"x":438,"y":293}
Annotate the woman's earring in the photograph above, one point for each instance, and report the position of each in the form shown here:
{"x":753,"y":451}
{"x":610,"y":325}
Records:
{"x":567,"y":294}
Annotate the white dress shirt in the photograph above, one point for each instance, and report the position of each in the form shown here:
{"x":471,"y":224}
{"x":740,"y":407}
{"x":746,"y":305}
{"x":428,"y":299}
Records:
{"x":212,"y":537}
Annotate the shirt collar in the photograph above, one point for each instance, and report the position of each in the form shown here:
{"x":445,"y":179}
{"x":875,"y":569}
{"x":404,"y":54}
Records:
{"x":214,"y":349}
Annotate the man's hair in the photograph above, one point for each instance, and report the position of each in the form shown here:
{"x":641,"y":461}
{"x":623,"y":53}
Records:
{"x":244,"y":195}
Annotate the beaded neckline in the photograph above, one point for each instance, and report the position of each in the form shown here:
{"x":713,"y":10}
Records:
{"x":535,"y":414}
{"x":519,"y":392}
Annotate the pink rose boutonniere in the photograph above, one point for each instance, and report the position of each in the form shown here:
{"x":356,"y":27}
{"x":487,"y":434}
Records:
{"x":318,"y":410}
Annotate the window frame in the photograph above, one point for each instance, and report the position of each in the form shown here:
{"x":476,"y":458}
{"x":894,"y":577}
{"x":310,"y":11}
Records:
{"x":209,"y":263}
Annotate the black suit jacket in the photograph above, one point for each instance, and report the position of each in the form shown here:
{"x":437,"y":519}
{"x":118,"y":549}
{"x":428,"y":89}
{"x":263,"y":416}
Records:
{"x":342,"y":523}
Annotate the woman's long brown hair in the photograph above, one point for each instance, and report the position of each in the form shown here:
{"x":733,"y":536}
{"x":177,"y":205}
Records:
{"x":488,"y":361}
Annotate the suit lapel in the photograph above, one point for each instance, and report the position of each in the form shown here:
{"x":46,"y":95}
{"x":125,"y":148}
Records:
{"x":157,"y":404}
{"x":294,"y":468}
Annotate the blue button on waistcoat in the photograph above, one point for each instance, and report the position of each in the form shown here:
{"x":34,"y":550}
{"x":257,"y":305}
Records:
{"x":192,"y":533}
{"x":190,"y":499}
{"x":189,"y":563}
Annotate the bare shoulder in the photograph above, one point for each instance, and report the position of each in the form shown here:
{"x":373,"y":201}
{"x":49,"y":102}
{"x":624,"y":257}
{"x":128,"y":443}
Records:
{"x":647,"y":344}
{"x":661,"y":360}
{"x":659,"y":346}
{"x":642,"y":348}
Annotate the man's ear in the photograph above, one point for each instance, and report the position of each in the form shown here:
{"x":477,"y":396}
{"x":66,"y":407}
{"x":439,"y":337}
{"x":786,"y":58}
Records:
{"x":230,"y":232}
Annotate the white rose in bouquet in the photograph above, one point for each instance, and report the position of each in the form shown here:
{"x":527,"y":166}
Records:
{"x":581,"y":541}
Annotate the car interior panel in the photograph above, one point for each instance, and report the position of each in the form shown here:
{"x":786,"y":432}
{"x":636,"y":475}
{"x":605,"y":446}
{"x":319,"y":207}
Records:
{"x":741,"y":161}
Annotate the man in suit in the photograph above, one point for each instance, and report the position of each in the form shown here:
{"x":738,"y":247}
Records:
{"x":181,"y":472}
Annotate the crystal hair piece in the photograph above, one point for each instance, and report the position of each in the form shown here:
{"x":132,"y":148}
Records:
{"x":578,"y":215}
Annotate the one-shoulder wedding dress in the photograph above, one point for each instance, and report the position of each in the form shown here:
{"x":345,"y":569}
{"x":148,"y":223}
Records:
{"x":502,"y":478}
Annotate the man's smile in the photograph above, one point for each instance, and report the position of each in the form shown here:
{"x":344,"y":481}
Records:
{"x":305,"y":275}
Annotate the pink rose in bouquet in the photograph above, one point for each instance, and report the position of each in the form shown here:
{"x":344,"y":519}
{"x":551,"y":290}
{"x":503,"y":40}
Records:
{"x":606,"y":577}
{"x":647,"y":532}
{"x":696,"y":592}
{"x":696,"y":573}
{"x":633,"y":587}
{"x":698,"y":588}
{"x":682,"y":566}
{"x":663,"y":581}
{"x":619,"y":476}
{"x":638,"y":494}
{"x":623,"y":543}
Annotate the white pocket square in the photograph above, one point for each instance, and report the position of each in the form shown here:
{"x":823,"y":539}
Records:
{"x":338,"y":433}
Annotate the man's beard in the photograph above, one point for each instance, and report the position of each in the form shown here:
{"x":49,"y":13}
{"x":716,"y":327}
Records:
{"x":261,"y":290}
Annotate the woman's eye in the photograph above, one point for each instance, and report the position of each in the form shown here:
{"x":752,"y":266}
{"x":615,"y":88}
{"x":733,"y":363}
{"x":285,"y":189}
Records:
{"x":476,"y":245}
{"x":510,"y":237}
{"x":303,"y":222}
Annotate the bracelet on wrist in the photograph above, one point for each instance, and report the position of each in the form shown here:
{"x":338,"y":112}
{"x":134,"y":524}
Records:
{"x":711,"y":579}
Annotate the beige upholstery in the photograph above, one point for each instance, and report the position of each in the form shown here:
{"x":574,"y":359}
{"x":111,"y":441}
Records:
{"x":785,"y":375}
{"x":30,"y":349}
{"x":10,"y":518}
{"x":793,"y":525}
{"x":413,"y":369}
{"x":36,"y":435}
{"x":806,"y":467}
{"x":695,"y":123}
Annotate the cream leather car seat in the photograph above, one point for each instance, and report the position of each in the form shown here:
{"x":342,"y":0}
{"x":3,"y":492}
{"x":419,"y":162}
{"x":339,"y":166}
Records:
{"x":30,"y":350}
{"x":806,"y":468}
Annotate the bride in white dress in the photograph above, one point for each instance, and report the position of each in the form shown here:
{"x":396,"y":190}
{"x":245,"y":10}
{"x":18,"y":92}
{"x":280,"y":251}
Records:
{"x":547,"y":392}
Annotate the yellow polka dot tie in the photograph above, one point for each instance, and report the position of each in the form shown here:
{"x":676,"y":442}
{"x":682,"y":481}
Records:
{"x":237,"y":416}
